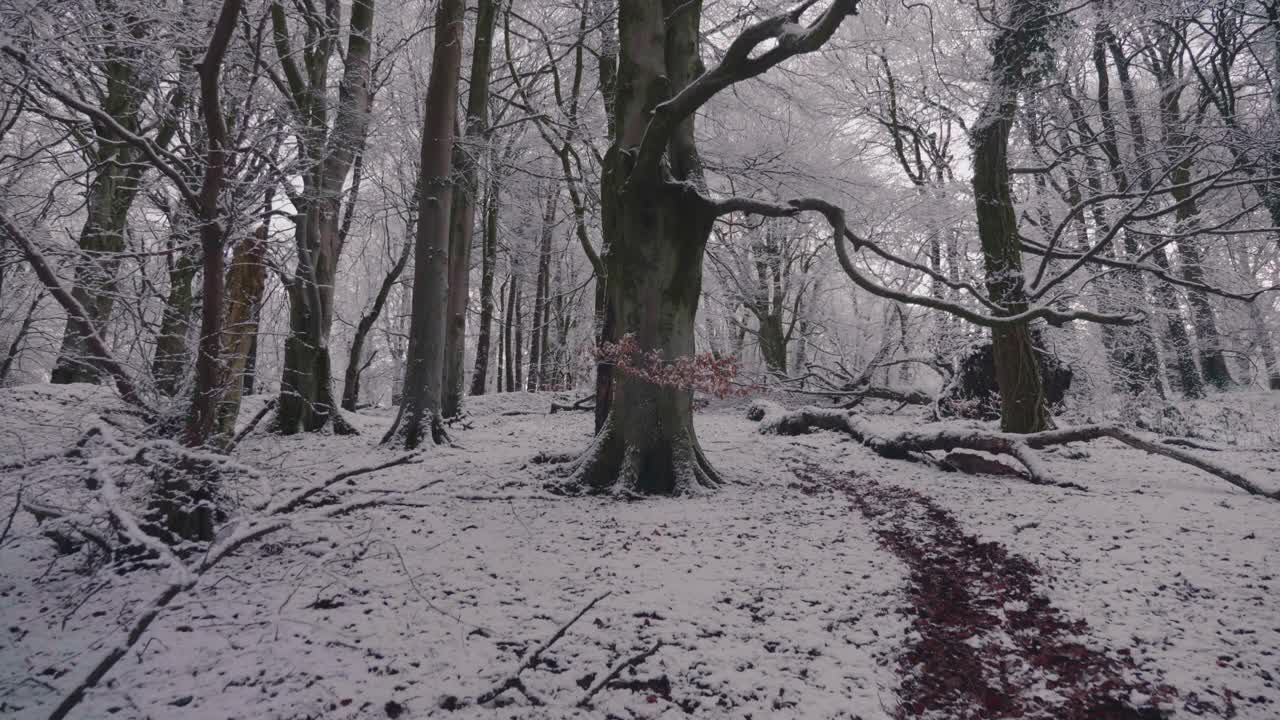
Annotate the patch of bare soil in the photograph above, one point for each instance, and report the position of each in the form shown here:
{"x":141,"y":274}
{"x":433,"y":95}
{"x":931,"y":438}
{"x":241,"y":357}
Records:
{"x":984,"y":643}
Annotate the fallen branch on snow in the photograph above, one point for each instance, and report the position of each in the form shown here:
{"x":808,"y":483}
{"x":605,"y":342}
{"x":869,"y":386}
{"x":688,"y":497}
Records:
{"x":579,"y":405}
{"x":632,"y":661}
{"x":900,"y":445}
{"x":302,"y":496}
{"x":512,"y":680}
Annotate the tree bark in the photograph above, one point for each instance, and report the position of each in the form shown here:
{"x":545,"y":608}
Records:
{"x":355,"y":356}
{"x":1023,"y":407}
{"x":171,"y":359}
{"x":203,"y":418}
{"x":464,"y":204}
{"x":15,"y":347}
{"x":306,"y":387}
{"x":507,"y":368}
{"x":655,"y":234}
{"x":246,"y":281}
{"x":517,"y":336}
{"x":488,"y":262}
{"x":110,"y":195}
{"x":541,"y":322}
{"x":420,"y":417}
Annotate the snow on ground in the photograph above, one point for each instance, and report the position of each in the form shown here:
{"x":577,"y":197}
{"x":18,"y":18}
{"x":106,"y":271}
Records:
{"x":768,"y":601}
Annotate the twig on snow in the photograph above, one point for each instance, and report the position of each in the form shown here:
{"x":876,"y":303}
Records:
{"x":17,"y":503}
{"x":268,"y":407}
{"x":301,"y":497}
{"x":632,"y":661}
{"x":531,"y":659}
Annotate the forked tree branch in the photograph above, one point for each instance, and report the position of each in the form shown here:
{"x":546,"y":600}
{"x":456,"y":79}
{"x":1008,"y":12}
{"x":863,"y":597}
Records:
{"x":738,"y":64}
{"x":836,"y":219}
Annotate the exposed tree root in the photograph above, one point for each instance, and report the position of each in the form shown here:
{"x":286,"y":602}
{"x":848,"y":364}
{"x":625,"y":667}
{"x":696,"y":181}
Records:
{"x":616,"y":464}
{"x":942,"y":436}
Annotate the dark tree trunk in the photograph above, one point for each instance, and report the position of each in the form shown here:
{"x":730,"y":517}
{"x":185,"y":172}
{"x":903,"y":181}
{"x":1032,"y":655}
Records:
{"x":202,"y":422}
{"x":419,"y":418}
{"x":1023,"y":407}
{"x":306,"y":386}
{"x":251,"y":359}
{"x":773,"y":343}
{"x":462,"y":224}
{"x":246,"y":281}
{"x":171,"y":359}
{"x":1213,"y":362}
{"x":541,"y":323}
{"x":101,"y":242}
{"x":517,"y":337}
{"x":355,"y":357}
{"x":488,"y":261}
{"x":648,"y":443}
{"x":110,"y":196}
{"x":508,"y":367}
{"x":15,"y":347}
{"x":655,"y":237}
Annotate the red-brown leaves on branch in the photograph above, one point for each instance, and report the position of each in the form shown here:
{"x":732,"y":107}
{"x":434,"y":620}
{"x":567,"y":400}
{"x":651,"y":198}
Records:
{"x":703,"y":372}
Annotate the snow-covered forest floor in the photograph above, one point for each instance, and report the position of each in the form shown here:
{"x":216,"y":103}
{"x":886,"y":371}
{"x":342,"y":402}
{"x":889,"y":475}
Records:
{"x":827,"y":582}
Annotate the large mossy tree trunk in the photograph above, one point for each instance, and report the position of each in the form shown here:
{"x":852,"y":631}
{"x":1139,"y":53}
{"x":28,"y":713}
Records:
{"x":656,"y":222}
{"x":1015,"y":55}
{"x":306,"y":383}
{"x":116,"y":169}
{"x":172,"y":358}
{"x":648,"y":443}
{"x":111,"y":194}
{"x":656,"y":233}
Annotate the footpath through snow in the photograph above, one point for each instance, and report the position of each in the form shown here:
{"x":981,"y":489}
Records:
{"x":830,"y":583}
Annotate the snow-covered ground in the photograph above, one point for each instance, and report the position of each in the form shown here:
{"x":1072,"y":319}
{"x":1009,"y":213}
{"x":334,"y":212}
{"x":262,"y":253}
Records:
{"x":766,"y":599}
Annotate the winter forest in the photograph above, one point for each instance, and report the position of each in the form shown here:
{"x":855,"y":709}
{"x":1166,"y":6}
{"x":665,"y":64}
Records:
{"x":640,"y":358}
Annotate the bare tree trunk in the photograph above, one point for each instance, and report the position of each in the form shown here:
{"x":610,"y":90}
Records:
{"x":203,"y":418}
{"x":538,"y":332}
{"x":171,"y":357}
{"x":306,"y":387}
{"x":246,"y":281}
{"x":99,"y":354}
{"x":1261,"y":338}
{"x":351,"y":379}
{"x":508,"y":367}
{"x":419,"y":418}
{"x":1023,"y":407}
{"x":489,"y":259}
{"x":15,"y":347}
{"x":517,"y":340}
{"x":462,"y":226}
{"x":110,"y":196}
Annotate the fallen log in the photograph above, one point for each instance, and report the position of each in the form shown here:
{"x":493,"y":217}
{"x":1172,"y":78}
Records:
{"x":948,"y":437}
{"x":586,"y":404}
